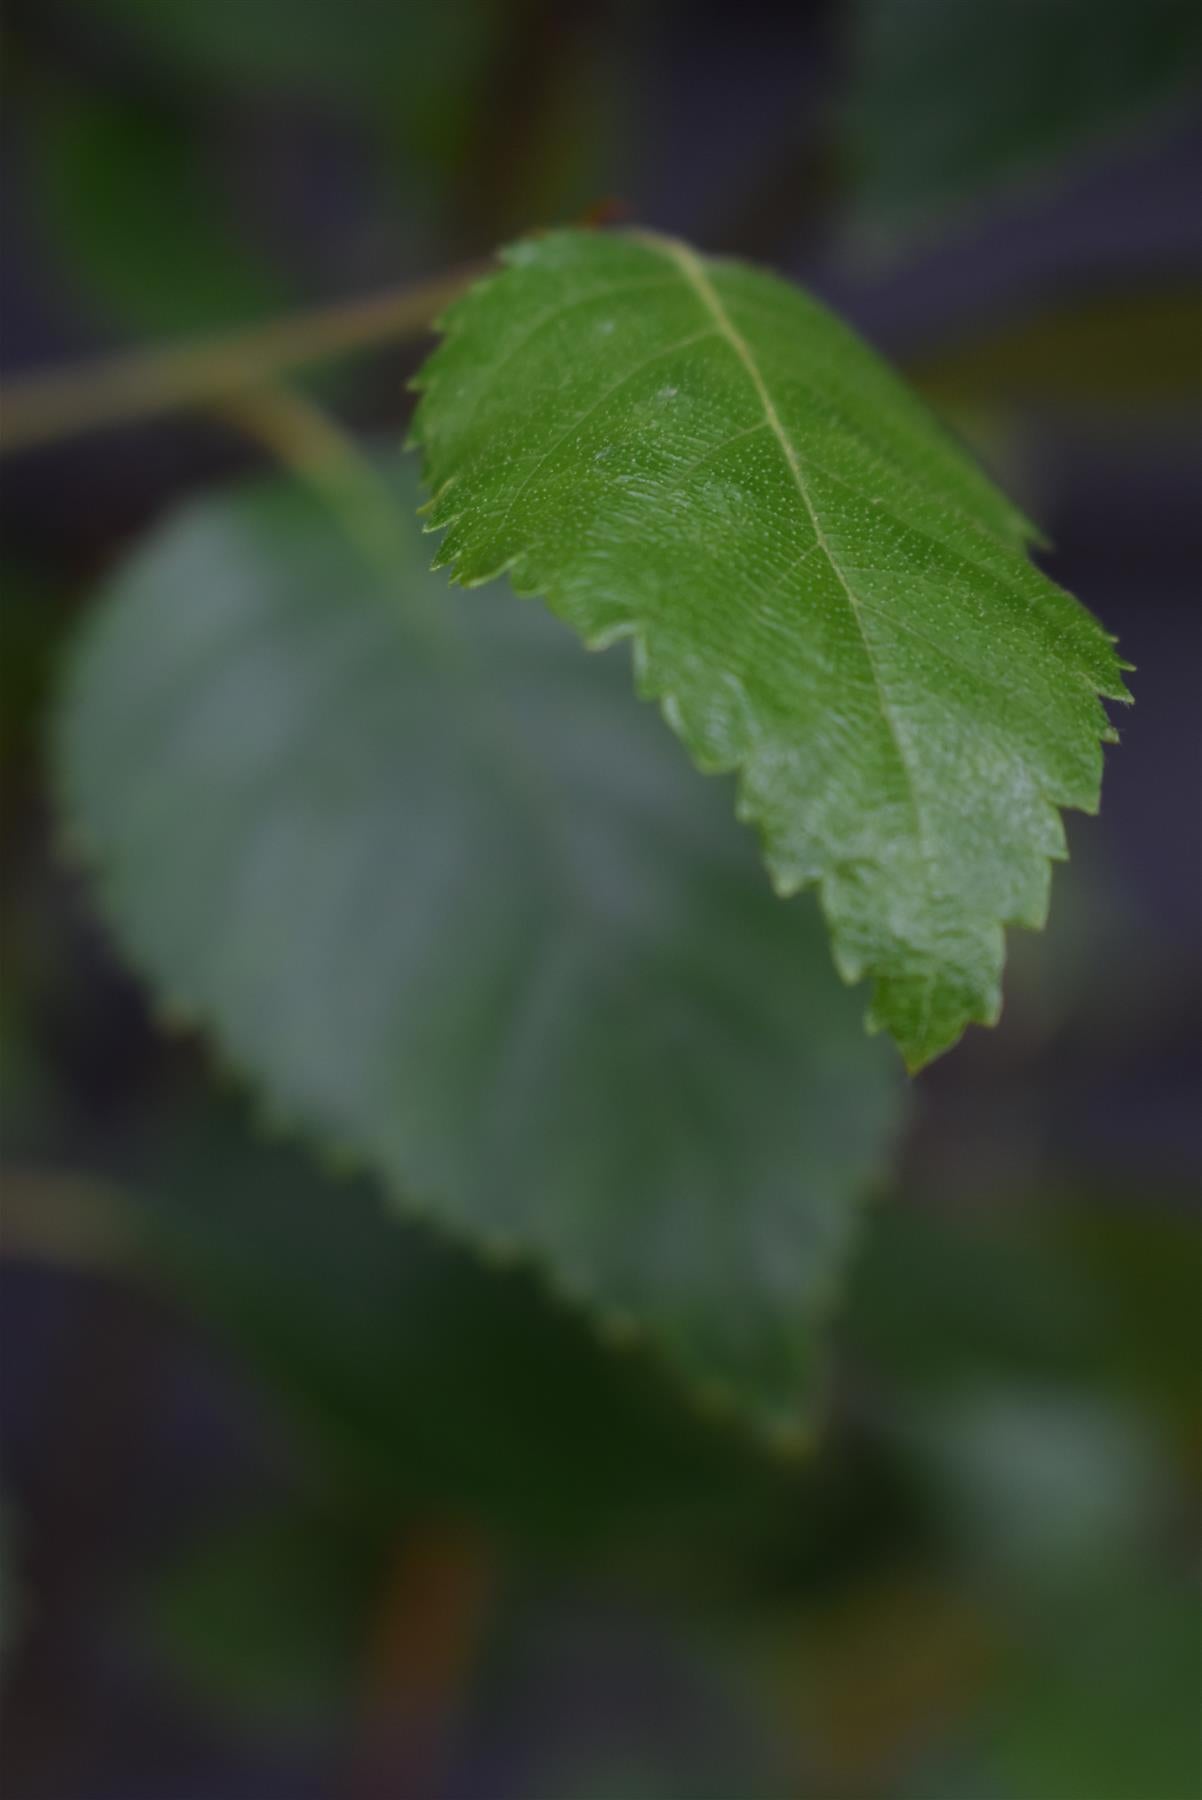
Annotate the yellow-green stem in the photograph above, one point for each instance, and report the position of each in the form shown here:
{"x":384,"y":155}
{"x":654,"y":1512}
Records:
{"x":39,"y":409}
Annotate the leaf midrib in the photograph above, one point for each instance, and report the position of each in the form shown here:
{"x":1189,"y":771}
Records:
{"x":693,"y":272}
{"x":695,"y":277}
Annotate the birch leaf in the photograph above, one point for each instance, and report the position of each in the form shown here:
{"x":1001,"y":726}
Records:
{"x":460,"y":908}
{"x":823,"y":591}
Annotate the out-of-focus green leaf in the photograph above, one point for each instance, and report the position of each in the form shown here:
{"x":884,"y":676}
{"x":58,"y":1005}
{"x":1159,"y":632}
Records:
{"x":32,"y":617}
{"x":325,"y":46}
{"x":411,"y":65}
{"x":950,"y":100}
{"x":459,"y":905}
{"x":1144,"y":1262}
{"x":997,"y":1359}
{"x":1103,"y":1700}
{"x":945,"y":1306}
{"x":1079,"y":1291}
{"x":138,"y":220}
{"x":823,"y":591}
{"x":1034,"y":1479}
{"x":269,"y":1617}
{"x":423,"y":1380}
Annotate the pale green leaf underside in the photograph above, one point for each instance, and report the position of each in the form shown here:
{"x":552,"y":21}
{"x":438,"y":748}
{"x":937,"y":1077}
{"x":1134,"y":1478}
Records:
{"x":823,"y":591}
{"x":457,"y":902}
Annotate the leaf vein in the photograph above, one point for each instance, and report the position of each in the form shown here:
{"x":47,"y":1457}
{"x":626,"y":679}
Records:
{"x":554,"y":313}
{"x":695,"y":276}
{"x":695,"y":337}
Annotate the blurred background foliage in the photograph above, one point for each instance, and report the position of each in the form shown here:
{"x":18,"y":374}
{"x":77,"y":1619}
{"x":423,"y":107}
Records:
{"x":297,"y":1498}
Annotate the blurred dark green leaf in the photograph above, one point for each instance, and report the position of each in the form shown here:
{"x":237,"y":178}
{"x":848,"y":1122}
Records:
{"x":340,"y":47}
{"x":458,"y":902}
{"x":1059,"y":1296}
{"x":952,"y":100}
{"x":1021,"y":1362}
{"x":269,"y":1617}
{"x":945,"y":1306}
{"x":32,"y":619}
{"x":1144,"y":1261}
{"x":412,"y":68}
{"x":139,"y":220}
{"x":1103,"y":1699}
{"x":420,"y":1376}
{"x":1036,"y":1479}
{"x":1043,"y":1396}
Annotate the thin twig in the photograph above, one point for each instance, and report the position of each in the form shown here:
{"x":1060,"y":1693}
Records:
{"x":38,"y":409}
{"x":433,"y":1615}
{"x":72,"y":1220}
{"x":307,"y":440}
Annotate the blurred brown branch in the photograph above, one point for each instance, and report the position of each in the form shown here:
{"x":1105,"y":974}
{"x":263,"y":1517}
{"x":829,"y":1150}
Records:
{"x":304,"y":438}
{"x":73,"y":1221}
{"x":38,"y":409}
{"x":433,"y":1615}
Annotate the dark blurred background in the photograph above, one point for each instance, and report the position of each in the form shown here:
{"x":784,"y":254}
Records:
{"x":267,"y":1531}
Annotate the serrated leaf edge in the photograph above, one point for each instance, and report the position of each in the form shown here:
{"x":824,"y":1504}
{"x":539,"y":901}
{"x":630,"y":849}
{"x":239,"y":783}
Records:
{"x":651,"y":686}
{"x":786,"y":1435}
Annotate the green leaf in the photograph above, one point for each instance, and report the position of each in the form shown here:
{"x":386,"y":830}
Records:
{"x":458,"y":903}
{"x":267,"y":1616}
{"x":138,"y":220}
{"x":1102,"y":1703}
{"x":823,"y":592}
{"x":419,"y":1381}
{"x":949,"y":101}
{"x":416,"y":69}
{"x":352,"y":49}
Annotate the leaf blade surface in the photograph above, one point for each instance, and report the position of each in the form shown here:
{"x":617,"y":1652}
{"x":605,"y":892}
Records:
{"x":458,"y":905}
{"x":823,"y":591}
